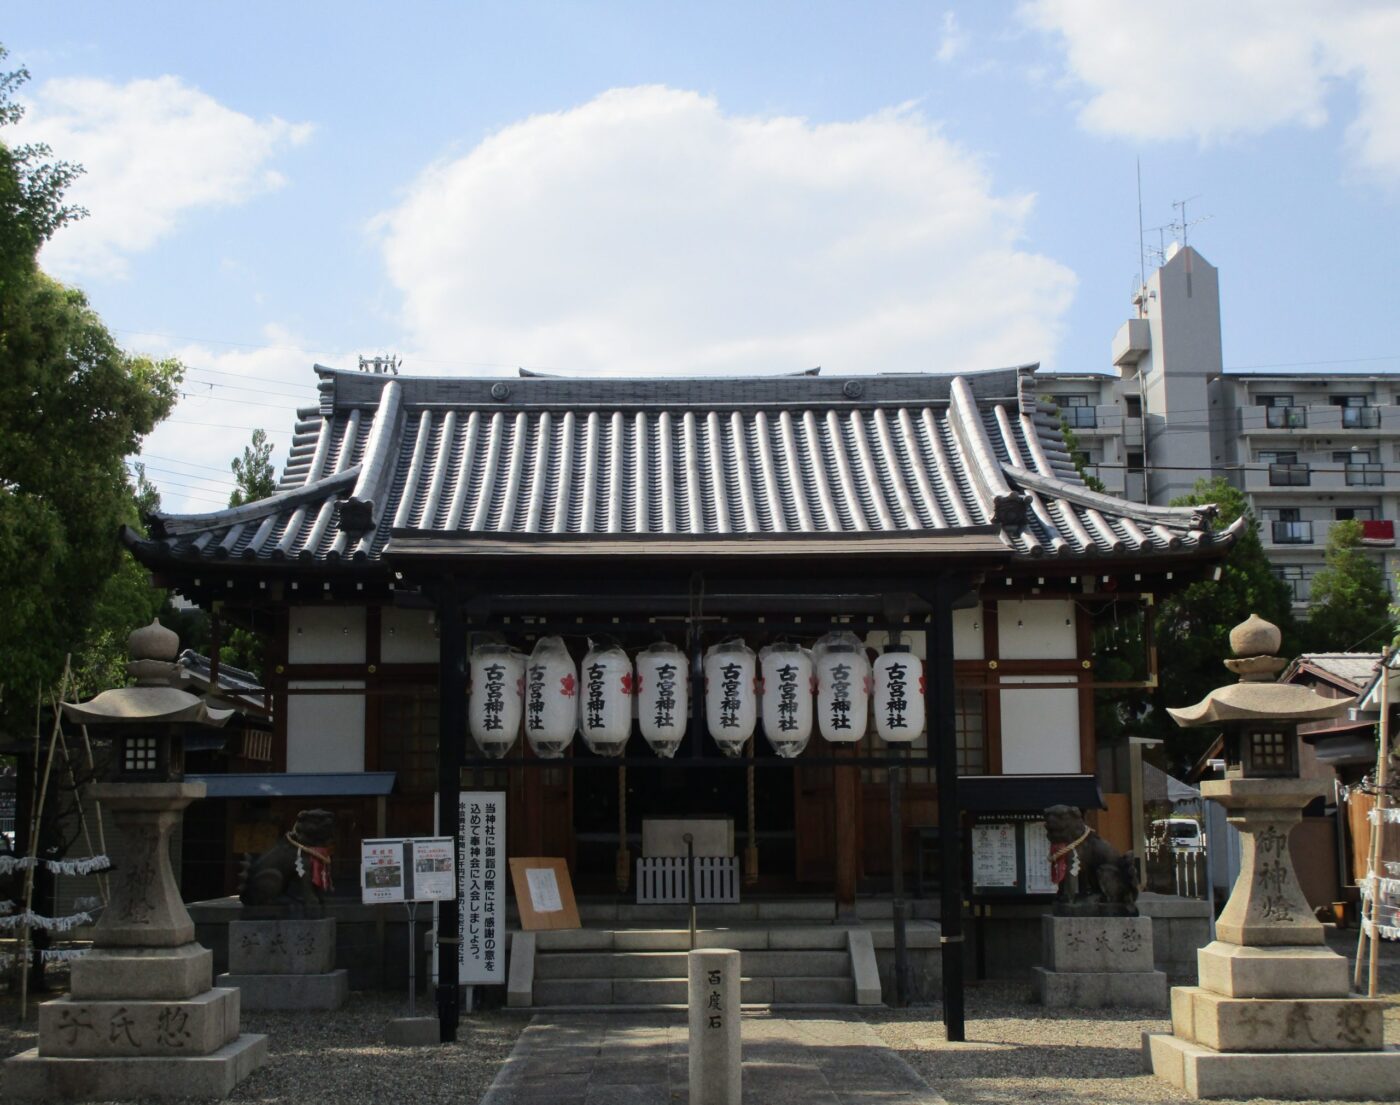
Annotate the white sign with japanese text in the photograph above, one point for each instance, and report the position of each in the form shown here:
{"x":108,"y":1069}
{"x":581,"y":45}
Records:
{"x":406,"y":869}
{"x":481,"y":859}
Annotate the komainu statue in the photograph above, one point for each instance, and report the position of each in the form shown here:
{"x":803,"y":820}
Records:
{"x":296,"y":871}
{"x":1093,"y":876}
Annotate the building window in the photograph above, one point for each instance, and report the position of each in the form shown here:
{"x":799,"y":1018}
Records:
{"x":1135,"y":462}
{"x":1296,"y":578}
{"x":408,"y":734}
{"x":1077,"y":412}
{"x":1349,"y":400}
{"x":1352,"y":456}
{"x":1273,"y":456}
{"x":971,"y":729}
{"x":1273,"y":400}
{"x":1288,"y":528}
{"x":1354,"y":513}
{"x":1133,"y":405}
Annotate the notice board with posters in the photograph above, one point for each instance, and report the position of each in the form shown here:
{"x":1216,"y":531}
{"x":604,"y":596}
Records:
{"x":481,"y":855}
{"x":406,"y":869}
{"x":1010,"y":856}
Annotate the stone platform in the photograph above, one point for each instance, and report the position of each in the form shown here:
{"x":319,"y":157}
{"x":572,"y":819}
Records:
{"x":286,"y":964}
{"x":30,"y":1076}
{"x":1099,"y":962}
{"x":1203,"y":1072}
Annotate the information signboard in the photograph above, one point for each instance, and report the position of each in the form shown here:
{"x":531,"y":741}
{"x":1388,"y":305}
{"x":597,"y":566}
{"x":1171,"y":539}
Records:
{"x":481,"y":856}
{"x":1011,"y":856}
{"x":406,"y":869}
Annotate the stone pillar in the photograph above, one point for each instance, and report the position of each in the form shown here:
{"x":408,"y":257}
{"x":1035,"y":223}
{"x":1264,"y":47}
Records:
{"x":716,"y":1076}
{"x":1099,"y":962}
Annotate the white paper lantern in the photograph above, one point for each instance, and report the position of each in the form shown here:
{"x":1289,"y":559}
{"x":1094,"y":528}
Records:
{"x":899,"y":695}
{"x":663,"y":698}
{"x":605,"y":699}
{"x":497,"y":687}
{"x":843,"y":687}
{"x":551,"y":698}
{"x":786,"y":679}
{"x":731,"y":706}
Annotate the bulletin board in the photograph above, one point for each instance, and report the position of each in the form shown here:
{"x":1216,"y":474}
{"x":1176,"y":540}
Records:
{"x":543,"y":894}
{"x":1010,"y":857}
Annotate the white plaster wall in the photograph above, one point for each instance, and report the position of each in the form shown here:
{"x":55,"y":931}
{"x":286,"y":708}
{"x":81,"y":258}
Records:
{"x":326,"y":635}
{"x":1039,"y":729}
{"x":967,"y":637}
{"x":407,"y":637}
{"x":1036,"y":629}
{"x":325,"y":732}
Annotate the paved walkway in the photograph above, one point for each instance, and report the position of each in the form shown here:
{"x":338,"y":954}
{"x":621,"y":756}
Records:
{"x":640,"y":1059}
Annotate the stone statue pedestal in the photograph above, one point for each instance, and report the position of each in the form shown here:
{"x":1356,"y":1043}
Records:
{"x":285,"y":964}
{"x":1272,"y":1015}
{"x":142,"y":1019}
{"x":1099,"y":962}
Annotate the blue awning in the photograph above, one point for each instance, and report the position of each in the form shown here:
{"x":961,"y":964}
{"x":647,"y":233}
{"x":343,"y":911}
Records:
{"x":298,"y":784}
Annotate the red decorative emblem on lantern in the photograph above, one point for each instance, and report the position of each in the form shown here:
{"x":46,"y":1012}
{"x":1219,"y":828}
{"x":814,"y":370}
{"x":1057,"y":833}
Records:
{"x":758,"y":684}
{"x":923,"y":684}
{"x":869,"y":684}
{"x":568,"y":685}
{"x":631,"y":684}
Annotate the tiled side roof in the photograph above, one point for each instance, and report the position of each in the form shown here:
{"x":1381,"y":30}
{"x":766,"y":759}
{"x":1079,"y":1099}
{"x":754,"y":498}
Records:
{"x":677,"y":459}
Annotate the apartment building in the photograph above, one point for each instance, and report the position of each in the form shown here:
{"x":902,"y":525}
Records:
{"x":1309,"y":449}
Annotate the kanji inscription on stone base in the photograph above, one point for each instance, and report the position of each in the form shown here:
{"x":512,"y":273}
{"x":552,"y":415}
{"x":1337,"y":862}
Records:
{"x":715,"y":1073}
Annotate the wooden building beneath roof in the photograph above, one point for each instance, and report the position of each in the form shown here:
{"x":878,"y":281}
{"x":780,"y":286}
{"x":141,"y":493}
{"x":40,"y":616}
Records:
{"x":414,"y":512}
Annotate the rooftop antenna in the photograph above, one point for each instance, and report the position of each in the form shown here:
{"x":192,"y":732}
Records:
{"x":1182,"y":225}
{"x":381,"y":365}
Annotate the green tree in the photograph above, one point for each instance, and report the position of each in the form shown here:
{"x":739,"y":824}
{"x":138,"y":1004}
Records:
{"x":1349,"y":607}
{"x":73,"y":406}
{"x":1192,"y":629}
{"x":253,"y":471}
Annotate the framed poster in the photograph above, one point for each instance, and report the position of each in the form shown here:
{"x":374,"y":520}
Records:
{"x":481,"y":854}
{"x":543,"y":894}
{"x":382,"y":871}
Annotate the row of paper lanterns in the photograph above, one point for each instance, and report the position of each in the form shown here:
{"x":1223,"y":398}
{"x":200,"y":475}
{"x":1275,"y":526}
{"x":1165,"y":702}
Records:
{"x":790,"y":689}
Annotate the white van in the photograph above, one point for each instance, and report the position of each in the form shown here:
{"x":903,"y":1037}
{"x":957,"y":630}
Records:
{"x":1182,"y":833}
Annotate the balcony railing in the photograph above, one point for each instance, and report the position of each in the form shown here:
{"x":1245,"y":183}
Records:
{"x":1365,"y":475}
{"x":1286,"y":418}
{"x":1360,"y":418}
{"x":1080,"y":418}
{"x":1289,"y":475}
{"x":1293,"y":533}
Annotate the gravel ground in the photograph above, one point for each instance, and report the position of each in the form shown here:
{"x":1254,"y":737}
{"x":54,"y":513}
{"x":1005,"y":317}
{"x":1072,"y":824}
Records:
{"x":341,"y":1058}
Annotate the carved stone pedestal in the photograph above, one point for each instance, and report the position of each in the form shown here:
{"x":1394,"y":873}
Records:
{"x":1273,"y":1015}
{"x":142,"y":1019}
{"x":285,"y":964}
{"x":1099,"y":962}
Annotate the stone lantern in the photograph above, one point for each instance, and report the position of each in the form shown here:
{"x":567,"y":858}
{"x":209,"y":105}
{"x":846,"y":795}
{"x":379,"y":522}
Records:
{"x":142,"y":1018}
{"x":1272,"y":1015}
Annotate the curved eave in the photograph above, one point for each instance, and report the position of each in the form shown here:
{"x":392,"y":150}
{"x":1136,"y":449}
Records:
{"x":1286,"y":703}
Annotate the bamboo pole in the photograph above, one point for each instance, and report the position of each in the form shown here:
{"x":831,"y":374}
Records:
{"x":82,"y":813}
{"x":1366,"y":939}
{"x":35,"y":822}
{"x":97,"y":811}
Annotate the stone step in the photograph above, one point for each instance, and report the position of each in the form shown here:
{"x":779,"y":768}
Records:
{"x":623,"y":914}
{"x":673,"y":991}
{"x":795,"y":938}
{"x":672,"y":964}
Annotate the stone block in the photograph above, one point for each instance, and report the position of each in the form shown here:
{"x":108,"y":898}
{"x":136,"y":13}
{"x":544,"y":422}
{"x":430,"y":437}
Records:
{"x":1200,"y":1072}
{"x":1274,"y":1024}
{"x":1104,"y":990}
{"x":1303,"y":972}
{"x":413,"y":1031}
{"x":159,"y":974}
{"x":520,"y":980}
{"x":813,"y":991}
{"x":1096,"y":944}
{"x":286,"y":947}
{"x":70,"y":1028}
{"x":864,"y":970}
{"x":814,"y":936}
{"x":712,"y":836}
{"x":328,"y":991}
{"x":574,"y":940}
{"x":30,"y":1076}
{"x":716,"y":1076}
{"x":573,"y":991}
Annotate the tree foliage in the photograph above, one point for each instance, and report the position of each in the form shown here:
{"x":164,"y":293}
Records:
{"x":1349,"y":606}
{"x":1191,"y":629}
{"x":73,"y":406}
{"x":253,"y":471}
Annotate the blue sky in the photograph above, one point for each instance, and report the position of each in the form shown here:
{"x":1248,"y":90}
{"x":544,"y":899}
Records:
{"x":671,"y":188}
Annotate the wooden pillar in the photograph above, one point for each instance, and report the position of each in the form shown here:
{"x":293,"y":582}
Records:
{"x":452,"y":729}
{"x":942,"y":732}
{"x":846,"y":785}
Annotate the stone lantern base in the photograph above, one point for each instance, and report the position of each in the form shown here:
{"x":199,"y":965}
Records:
{"x":1273,"y":1015}
{"x":143,"y":1019}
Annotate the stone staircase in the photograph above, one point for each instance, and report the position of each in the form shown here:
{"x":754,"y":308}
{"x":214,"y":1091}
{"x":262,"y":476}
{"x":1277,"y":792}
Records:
{"x":634,"y":957}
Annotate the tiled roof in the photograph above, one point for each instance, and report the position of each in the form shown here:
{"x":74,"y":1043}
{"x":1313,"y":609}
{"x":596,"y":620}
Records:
{"x":1354,"y":668}
{"x":685,"y":460}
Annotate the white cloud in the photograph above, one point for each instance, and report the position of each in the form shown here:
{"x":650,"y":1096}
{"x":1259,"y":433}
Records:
{"x":1213,"y":71}
{"x":954,"y":40}
{"x":226,"y":394}
{"x":154,"y":151}
{"x":648,"y":231}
